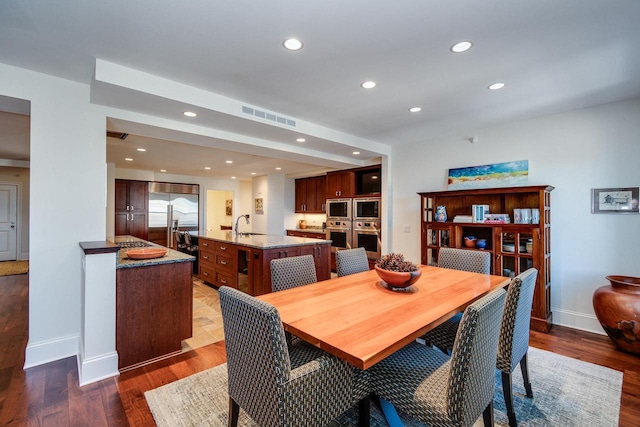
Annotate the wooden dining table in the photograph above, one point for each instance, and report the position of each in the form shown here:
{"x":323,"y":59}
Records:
{"x":358,"y":318}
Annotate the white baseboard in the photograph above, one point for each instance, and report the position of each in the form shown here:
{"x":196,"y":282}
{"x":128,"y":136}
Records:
{"x":575,"y":320}
{"x":47,"y":351}
{"x":97,"y":368}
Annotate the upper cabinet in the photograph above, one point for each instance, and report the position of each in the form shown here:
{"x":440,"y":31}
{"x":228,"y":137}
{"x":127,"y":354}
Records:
{"x":368,"y":181}
{"x":340,"y":184}
{"x":310,"y":195}
{"x":131,"y":200}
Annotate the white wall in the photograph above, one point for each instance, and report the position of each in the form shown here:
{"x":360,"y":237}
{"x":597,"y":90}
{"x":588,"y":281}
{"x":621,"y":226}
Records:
{"x":574,"y":152}
{"x":215,"y":211}
{"x":67,"y":203}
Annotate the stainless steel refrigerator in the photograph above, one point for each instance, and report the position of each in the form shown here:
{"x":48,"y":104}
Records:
{"x":172,"y":207}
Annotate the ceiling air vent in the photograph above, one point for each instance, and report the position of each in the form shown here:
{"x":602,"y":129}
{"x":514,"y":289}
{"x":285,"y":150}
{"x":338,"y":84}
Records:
{"x":119,"y":135}
{"x":268,"y":116}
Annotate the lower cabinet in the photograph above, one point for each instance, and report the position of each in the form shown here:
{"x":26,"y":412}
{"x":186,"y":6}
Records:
{"x":154,"y":311}
{"x":228,"y":264}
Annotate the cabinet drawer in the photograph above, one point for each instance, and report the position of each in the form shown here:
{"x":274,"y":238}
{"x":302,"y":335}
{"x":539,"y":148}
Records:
{"x":223,"y":279}
{"x":225,"y":248}
{"x":207,"y":258}
{"x":205,"y":244}
{"x":224,"y":262}
{"x":207,"y":273}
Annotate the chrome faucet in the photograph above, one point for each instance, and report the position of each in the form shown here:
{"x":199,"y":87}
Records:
{"x":246,"y":217}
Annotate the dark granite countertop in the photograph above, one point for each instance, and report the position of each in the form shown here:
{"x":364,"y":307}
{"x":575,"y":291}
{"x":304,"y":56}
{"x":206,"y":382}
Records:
{"x":170,"y":257}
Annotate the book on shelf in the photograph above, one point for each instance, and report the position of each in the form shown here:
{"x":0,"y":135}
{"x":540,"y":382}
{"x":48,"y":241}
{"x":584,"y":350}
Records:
{"x":497,"y":219}
{"x":463,"y":218}
{"x":478,"y":212}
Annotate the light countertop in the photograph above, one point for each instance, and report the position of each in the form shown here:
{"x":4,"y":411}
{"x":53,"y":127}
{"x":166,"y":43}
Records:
{"x":260,"y":241}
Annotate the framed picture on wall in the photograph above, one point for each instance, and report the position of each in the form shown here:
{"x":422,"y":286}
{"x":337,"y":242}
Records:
{"x":259,"y":208}
{"x":614,"y":200}
{"x":229,"y":207}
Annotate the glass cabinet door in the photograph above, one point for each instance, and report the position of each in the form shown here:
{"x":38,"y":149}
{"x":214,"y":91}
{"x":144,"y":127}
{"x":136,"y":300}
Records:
{"x":514,"y":251}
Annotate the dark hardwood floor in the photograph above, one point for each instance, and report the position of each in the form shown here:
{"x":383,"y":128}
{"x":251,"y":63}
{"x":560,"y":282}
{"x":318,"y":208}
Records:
{"x":49,"y":395}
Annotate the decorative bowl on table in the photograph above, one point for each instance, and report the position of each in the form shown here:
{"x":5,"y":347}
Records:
{"x":146,"y":253}
{"x":397,"y":273}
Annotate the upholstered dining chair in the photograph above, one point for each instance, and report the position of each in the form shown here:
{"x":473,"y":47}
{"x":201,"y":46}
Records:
{"x":276,"y":385}
{"x":464,"y":259}
{"x":290,"y":272}
{"x":513,"y":344}
{"x":351,"y":261}
{"x":442,"y":391}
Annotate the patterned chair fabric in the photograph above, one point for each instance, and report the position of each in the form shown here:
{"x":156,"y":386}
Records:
{"x":513,"y":343}
{"x":351,"y":261}
{"x":466,"y":260}
{"x":456,"y":259}
{"x":287,"y":273}
{"x":276,"y":386}
{"x":443,"y":391}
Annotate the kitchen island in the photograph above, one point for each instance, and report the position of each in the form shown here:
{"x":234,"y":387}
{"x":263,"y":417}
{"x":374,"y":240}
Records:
{"x":154,"y":303}
{"x":243,"y":261}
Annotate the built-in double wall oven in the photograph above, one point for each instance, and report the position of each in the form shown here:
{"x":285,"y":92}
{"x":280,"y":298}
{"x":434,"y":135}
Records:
{"x":366,"y":208}
{"x":339,"y":209}
{"x":367,"y":234}
{"x":339,"y":232}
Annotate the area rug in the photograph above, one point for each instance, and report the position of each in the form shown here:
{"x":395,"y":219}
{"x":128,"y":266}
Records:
{"x":9,"y":268}
{"x":567,"y":392}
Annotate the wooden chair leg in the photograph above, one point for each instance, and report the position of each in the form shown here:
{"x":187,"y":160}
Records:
{"x":525,"y":375}
{"x":234,"y":411}
{"x":508,"y":399}
{"x":487,"y":415}
{"x":364,"y":411}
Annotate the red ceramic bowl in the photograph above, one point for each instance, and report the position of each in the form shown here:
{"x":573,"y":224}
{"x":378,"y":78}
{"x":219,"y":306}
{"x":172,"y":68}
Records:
{"x":398,"y":279}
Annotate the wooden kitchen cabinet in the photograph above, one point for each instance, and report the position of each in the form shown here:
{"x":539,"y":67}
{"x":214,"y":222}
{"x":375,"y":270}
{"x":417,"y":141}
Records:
{"x":131,"y":208}
{"x":513,"y":247}
{"x":340,"y":184}
{"x":310,"y":195}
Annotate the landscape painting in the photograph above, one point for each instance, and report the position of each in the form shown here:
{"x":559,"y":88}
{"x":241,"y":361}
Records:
{"x":508,"y":174}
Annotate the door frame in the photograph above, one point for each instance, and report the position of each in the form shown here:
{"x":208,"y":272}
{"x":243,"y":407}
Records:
{"x":18,"y":186}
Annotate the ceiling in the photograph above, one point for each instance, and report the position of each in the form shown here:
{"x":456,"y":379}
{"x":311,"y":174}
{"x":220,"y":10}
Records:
{"x":553,"y":56}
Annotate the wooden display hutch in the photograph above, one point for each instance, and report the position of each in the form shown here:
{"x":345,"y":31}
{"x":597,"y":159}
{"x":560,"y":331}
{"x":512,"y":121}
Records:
{"x":513,"y":247}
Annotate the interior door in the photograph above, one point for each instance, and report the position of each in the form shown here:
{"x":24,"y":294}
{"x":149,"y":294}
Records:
{"x":8,"y":216}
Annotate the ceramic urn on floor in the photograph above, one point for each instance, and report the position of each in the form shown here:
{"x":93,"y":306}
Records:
{"x":617,"y":307}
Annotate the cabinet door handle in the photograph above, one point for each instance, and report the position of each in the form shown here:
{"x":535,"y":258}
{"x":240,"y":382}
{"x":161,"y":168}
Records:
{"x":205,"y":256}
{"x":223,"y":262}
{"x":223,"y":248}
{"x":223,"y":281}
{"x":204,"y":273}
{"x":205,"y":244}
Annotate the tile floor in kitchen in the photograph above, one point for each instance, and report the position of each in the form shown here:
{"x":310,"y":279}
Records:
{"x":207,"y":317}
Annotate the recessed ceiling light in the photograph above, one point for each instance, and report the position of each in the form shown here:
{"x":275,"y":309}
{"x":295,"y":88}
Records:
{"x":253,"y":173}
{"x":368,"y":84}
{"x":190,"y":114}
{"x":233,"y":177}
{"x":163,"y":170}
{"x":228,"y":161}
{"x":278,"y":169}
{"x":142,"y":149}
{"x":292,"y":44}
{"x":207,"y":168}
{"x":356,"y":153}
{"x":415,"y":109}
{"x":128,"y":159}
{"x":461,"y":47}
{"x":496,"y":86}
{"x":300,"y":140}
